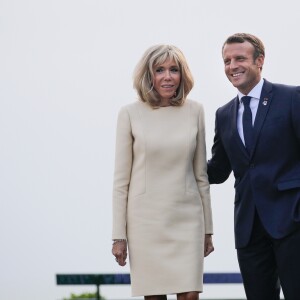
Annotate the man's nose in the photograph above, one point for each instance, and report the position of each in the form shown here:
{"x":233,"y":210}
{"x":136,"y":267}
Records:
{"x":233,"y":64}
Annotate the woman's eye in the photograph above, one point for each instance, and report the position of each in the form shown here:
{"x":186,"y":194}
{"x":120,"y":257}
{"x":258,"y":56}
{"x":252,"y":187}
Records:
{"x":174,"y":70}
{"x":159,"y":70}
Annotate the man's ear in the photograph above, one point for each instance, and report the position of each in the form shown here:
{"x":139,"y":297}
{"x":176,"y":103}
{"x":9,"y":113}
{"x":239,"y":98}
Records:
{"x":260,"y":61}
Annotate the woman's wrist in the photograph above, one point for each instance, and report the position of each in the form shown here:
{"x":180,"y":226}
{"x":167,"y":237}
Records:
{"x":118,"y":240}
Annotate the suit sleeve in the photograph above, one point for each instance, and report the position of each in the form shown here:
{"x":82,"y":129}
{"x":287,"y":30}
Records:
{"x":122,"y":174}
{"x":200,"y":169}
{"x":295,"y":113}
{"x":218,"y":167}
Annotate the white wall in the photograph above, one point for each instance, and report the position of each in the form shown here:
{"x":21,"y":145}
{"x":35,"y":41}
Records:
{"x":65,"y":70}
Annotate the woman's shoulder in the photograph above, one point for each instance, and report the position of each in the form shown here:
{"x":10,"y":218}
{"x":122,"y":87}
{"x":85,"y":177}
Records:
{"x":129,"y":107}
{"x":135,"y":104}
{"x":195,"y":105}
{"x":133,"y":109}
{"x":130,"y":104}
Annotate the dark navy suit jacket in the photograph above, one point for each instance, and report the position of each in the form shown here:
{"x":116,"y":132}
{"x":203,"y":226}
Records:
{"x":268,"y":179}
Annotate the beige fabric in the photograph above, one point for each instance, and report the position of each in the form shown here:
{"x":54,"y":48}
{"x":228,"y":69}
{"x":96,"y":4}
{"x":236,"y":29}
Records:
{"x":161,"y":199}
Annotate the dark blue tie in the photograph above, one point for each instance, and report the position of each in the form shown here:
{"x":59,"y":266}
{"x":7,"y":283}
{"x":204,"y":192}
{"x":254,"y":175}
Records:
{"x":247,"y":123}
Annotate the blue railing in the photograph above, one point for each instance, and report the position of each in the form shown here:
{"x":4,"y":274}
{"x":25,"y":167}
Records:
{"x":104,"y":279}
{"x":110,"y":279}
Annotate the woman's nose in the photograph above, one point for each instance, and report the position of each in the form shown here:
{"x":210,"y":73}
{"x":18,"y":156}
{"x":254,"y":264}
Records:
{"x":167,"y":74}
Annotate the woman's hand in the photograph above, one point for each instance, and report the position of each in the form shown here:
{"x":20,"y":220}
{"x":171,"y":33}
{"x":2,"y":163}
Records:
{"x":208,"y":245}
{"x":119,"y":250}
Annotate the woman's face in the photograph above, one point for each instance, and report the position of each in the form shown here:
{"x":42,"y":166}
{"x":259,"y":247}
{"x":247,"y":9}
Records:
{"x":166,"y":80}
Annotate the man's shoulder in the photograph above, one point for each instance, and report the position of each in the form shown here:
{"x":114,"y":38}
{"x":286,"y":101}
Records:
{"x":229,"y":105}
{"x":280,"y":86}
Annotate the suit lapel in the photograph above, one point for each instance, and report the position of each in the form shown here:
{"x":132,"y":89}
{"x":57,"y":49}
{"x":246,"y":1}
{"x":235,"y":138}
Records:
{"x":263,"y":108}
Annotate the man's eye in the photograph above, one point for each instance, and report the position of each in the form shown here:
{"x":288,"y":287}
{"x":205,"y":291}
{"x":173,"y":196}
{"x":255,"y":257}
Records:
{"x":226,"y":62}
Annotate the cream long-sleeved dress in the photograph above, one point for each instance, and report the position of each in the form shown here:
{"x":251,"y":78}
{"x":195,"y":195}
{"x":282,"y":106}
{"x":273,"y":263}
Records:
{"x":161,"y":198}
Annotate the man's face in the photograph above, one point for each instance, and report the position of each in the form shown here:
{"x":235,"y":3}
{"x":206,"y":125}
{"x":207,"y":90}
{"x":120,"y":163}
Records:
{"x":240,"y":68}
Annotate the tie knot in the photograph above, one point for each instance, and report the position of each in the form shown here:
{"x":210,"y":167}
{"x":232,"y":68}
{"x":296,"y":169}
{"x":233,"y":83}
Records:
{"x":246,"y":100}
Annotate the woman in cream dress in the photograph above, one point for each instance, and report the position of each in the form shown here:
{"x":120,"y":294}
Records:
{"x":161,"y":199}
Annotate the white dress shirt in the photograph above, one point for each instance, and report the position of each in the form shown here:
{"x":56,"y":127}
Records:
{"x":255,"y":96}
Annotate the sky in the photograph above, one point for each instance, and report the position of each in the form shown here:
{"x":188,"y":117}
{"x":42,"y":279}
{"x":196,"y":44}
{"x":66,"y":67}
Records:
{"x":65,"y":71}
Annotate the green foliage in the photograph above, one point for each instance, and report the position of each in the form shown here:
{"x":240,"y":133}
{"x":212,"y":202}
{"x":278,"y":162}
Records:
{"x":84,"y":296}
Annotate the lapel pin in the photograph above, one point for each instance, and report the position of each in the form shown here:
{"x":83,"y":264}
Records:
{"x":265,"y":102}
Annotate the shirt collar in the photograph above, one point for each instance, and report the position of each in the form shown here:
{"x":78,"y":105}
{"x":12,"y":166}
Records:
{"x":255,"y":92}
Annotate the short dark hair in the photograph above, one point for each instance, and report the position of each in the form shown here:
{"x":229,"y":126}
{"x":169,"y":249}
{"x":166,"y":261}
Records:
{"x":259,"y":48}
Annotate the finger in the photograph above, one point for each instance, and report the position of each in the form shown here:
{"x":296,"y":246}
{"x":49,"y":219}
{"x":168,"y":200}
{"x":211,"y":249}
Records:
{"x":121,"y":259}
{"x":118,"y":253}
{"x":209,"y":250}
{"x":121,"y":262}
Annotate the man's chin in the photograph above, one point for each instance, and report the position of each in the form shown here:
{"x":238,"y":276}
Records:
{"x":235,"y":82}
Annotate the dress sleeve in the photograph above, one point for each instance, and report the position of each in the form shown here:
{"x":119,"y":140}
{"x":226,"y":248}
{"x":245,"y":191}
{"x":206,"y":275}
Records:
{"x":122,"y":174}
{"x":200,"y":169}
{"x":219,"y":167}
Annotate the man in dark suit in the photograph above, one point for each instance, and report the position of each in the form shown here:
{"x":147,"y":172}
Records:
{"x":264,"y":155}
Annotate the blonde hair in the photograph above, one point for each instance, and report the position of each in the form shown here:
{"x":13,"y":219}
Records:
{"x":143,"y":74}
